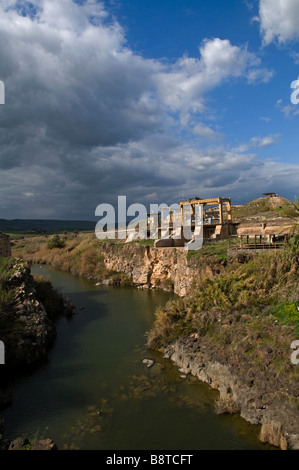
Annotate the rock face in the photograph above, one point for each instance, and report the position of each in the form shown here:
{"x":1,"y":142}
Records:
{"x":22,"y":443}
{"x":277,"y":413}
{"x":28,"y":331}
{"x":150,"y":267}
{"x":25,"y":444}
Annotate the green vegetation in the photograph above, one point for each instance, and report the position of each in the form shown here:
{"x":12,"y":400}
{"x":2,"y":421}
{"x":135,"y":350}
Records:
{"x":295,"y":217}
{"x":6,"y":294}
{"x":288,"y":314}
{"x":265,"y":206}
{"x":51,"y":299}
{"x":77,"y":253}
{"x":296,"y":206}
{"x":264,"y":288}
{"x":56,"y":242}
{"x":293,"y":210}
{"x":28,"y":446}
{"x":217,"y":249}
{"x":142,"y":242}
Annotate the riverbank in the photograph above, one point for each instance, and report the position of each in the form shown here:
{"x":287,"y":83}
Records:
{"x":137,"y":264}
{"x":232,"y":327}
{"x":95,"y":392}
{"x":29,"y":308}
{"x":235,"y":333}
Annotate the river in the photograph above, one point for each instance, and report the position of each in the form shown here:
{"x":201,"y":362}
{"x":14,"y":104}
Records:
{"x":94,"y":392}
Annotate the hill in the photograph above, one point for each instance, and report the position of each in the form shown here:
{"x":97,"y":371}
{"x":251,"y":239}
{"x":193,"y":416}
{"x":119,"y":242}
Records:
{"x":265,"y":208}
{"x":42,"y":226}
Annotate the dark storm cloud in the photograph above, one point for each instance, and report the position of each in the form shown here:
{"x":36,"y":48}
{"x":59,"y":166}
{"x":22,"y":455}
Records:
{"x":86,"y":119}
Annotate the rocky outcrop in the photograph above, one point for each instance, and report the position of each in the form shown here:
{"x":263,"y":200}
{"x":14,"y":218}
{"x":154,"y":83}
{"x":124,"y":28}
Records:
{"x":150,"y":267}
{"x":27,"y":331}
{"x":256,"y":400}
{"x":26,"y":444}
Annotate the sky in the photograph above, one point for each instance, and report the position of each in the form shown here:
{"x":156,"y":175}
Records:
{"x":154,"y":100}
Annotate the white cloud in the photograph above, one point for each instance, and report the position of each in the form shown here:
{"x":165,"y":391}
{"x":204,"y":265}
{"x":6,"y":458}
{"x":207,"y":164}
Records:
{"x":279,"y":20}
{"x":206,"y":132}
{"x":258,"y":143}
{"x":265,"y":118}
{"x":295,"y":56}
{"x":183,"y":86}
{"x":68,"y":69}
{"x":288,"y":110}
{"x":86,"y":118}
{"x":260,"y":75}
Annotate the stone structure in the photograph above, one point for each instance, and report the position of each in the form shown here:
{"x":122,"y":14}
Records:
{"x":5,"y":249}
{"x":171,"y":224}
{"x":270,"y":195}
{"x":263,"y":236}
{"x":217,"y":221}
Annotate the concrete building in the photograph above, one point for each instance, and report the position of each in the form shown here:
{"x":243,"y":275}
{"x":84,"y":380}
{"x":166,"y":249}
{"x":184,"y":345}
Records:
{"x":5,"y":249}
{"x":263,"y":236}
{"x":217,"y":221}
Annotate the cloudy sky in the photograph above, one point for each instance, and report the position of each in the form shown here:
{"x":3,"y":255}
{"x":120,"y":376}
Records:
{"x":156,"y":100}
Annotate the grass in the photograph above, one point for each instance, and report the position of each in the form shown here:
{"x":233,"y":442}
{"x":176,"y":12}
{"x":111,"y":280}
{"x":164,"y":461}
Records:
{"x":79,"y":254}
{"x":265,"y":287}
{"x":264,"y":206}
{"x":288,"y":314}
{"x":217,"y":249}
{"x":21,"y":235}
{"x":142,"y":242}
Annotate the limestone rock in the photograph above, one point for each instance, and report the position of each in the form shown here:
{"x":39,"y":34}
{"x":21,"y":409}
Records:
{"x":148,"y":362}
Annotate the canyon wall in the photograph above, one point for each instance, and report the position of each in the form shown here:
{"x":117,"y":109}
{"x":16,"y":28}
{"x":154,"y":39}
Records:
{"x":258,"y":401}
{"x":150,"y":267}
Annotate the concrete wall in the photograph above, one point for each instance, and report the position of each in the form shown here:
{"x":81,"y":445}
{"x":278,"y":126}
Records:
{"x":5,"y":249}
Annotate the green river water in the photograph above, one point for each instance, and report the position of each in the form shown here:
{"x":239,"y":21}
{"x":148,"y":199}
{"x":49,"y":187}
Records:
{"x":95,"y":393}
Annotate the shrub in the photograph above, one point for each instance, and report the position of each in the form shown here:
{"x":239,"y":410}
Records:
{"x":288,"y":314}
{"x":56,"y":242}
{"x":52,"y":300}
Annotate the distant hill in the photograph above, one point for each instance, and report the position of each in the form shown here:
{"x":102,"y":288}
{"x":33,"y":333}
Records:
{"x":261,"y":208}
{"x":265,"y":207}
{"x":42,"y":226}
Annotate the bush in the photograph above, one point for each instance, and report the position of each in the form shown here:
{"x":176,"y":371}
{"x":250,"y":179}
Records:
{"x":52,"y":300}
{"x":6,"y":295}
{"x":56,"y":242}
{"x":288,"y":314}
{"x":258,"y":287}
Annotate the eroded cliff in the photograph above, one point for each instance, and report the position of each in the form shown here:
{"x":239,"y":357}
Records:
{"x":150,"y":267}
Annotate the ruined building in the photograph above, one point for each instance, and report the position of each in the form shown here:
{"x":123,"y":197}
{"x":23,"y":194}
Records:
{"x":217,"y":221}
